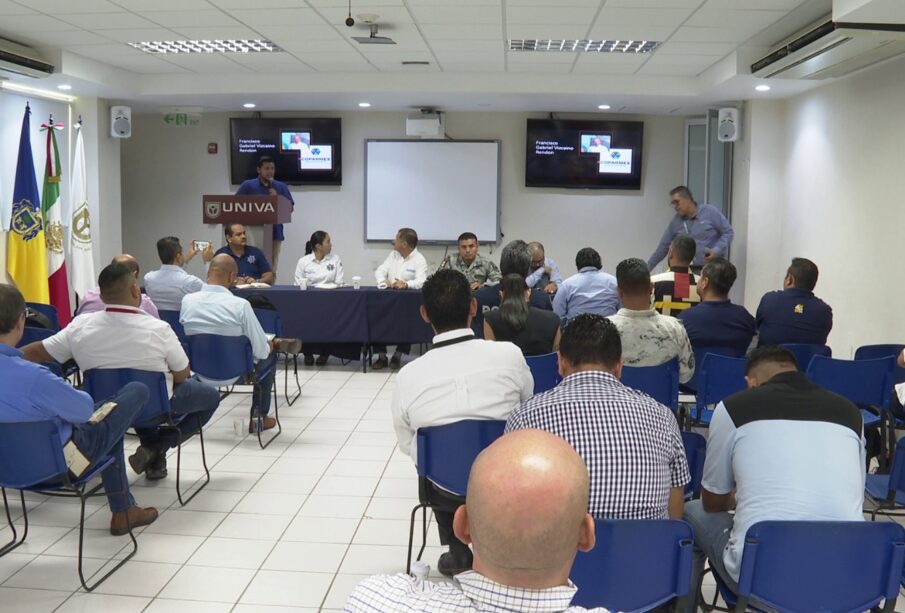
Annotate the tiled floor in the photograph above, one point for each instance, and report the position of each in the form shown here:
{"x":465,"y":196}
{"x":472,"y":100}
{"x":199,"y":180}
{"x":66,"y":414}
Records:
{"x":290,"y":528}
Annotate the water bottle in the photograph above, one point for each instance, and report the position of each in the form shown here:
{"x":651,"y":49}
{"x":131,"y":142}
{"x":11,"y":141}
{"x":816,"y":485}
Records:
{"x":420,"y":571}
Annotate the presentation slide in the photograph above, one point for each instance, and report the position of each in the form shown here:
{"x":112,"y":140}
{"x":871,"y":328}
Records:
{"x":305,"y":150}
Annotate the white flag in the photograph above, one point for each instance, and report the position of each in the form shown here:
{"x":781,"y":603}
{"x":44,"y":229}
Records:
{"x":82,"y":272}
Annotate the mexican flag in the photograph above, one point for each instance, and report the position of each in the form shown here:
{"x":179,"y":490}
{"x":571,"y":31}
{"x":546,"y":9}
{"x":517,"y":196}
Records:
{"x":51,"y":206}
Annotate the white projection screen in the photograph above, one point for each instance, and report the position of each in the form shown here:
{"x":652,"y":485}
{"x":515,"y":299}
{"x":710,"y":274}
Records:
{"x":441,"y":188}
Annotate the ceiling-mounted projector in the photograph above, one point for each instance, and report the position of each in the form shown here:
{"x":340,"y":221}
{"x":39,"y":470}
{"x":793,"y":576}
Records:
{"x":373,"y":39}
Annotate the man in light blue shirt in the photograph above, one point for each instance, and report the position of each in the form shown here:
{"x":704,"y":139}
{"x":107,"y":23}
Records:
{"x":589,"y":291}
{"x":544,"y":275}
{"x":702,"y":222}
{"x":215,"y":310}
{"x":167,"y":286}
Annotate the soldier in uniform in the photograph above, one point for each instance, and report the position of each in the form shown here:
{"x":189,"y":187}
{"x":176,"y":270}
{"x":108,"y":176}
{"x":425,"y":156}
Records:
{"x":477,"y":269}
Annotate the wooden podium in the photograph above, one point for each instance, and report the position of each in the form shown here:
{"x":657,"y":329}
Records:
{"x":257,"y":213}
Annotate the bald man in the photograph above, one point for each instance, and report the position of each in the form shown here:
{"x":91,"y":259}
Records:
{"x":526,"y":518}
{"x":92,"y":302}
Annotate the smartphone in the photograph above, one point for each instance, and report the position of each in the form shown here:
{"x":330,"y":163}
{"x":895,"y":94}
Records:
{"x":202,"y":245}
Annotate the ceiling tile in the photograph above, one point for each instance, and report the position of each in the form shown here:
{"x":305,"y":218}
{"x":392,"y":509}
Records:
{"x":165,"y":5}
{"x":278,"y":17}
{"x":206,"y":63}
{"x":106,"y":53}
{"x":441,"y":45}
{"x":287,"y":34}
{"x":753,"y":21}
{"x":259,"y":4}
{"x":710,"y":35}
{"x":458,"y":14}
{"x":540,"y":57}
{"x":608,"y":31}
{"x":679,"y":65}
{"x":147,"y":65}
{"x":190,"y":19}
{"x":457,"y":32}
{"x":134,"y":35}
{"x":550,"y":15}
{"x":340,"y":63}
{"x":609,"y":63}
{"x":666,"y":70}
{"x":471,"y":67}
{"x":217,"y":33}
{"x":470,"y":57}
{"x":387,"y":15}
{"x":317,"y":46}
{"x":372,"y":6}
{"x":13,"y":24}
{"x":270,"y":62}
{"x":70,"y":38}
{"x":594,"y":3}
{"x":657,"y":4}
{"x":782,"y":5}
{"x":63,"y":7}
{"x":540,"y":68}
{"x":108,"y":21}
{"x":677,"y":48}
{"x":643,"y":17}
{"x":12,"y":8}
{"x":546,"y":31}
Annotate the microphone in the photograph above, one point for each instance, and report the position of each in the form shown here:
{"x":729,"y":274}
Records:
{"x":444,"y":263}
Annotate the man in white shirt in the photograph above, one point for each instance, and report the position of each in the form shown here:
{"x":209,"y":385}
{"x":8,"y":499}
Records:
{"x":124,"y":336}
{"x":167,"y":286}
{"x":461,"y":377}
{"x":404,"y":268}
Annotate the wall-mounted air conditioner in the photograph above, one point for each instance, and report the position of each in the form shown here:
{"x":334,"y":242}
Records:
{"x":21,"y":60}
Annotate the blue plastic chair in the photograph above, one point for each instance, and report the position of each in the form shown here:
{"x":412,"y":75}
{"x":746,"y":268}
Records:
{"x":272,"y":324}
{"x":834,"y":567}
{"x":49,"y":311}
{"x":659,"y":382}
{"x":699,"y":353}
{"x":445,"y":456}
{"x":636,"y":565}
{"x":102,"y":383}
{"x":804,"y":352}
{"x":224,"y":358}
{"x":719,"y":377}
{"x":872,"y":352}
{"x":172,"y":318}
{"x":32,"y":460}
{"x":887,"y":492}
{"x":31,"y":335}
{"x":695,"y":454}
{"x":867,"y":383}
{"x":545,"y":370}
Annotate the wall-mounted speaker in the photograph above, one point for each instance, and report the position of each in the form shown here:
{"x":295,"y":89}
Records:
{"x":120,"y":121}
{"x":728,"y":128}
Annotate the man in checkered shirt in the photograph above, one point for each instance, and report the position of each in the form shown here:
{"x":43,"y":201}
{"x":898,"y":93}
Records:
{"x":630,"y":442}
{"x":521,"y":563}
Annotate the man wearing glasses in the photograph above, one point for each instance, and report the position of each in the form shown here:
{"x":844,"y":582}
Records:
{"x":703,"y":222}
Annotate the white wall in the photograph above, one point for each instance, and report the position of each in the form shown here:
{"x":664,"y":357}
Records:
{"x":167,"y":169}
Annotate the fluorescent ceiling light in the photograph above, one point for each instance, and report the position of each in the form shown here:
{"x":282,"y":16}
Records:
{"x":763,"y":87}
{"x":603,"y":107}
{"x":64,"y":87}
{"x":364,"y":105}
{"x":34,"y":91}
{"x":249,"y":105}
{"x":207,"y":46}
{"x":584,"y":46}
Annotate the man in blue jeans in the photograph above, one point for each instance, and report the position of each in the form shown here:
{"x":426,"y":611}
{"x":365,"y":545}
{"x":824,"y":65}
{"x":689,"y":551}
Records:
{"x":33,"y":393}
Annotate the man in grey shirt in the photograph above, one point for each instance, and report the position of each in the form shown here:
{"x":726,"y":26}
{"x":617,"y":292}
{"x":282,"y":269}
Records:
{"x":702,"y":222}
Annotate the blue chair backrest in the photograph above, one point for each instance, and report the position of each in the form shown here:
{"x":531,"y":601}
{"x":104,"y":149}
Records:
{"x":104,"y":383}
{"x":545,"y":370}
{"x":822,"y":566}
{"x":861,"y":381}
{"x":804,"y":352}
{"x":31,"y":334}
{"x":700,"y":352}
{"x":270,"y":321}
{"x":30,"y":453}
{"x":220,"y":357}
{"x":446,"y":453}
{"x":172,"y":318}
{"x":636,"y":565}
{"x":719,"y":377}
{"x":659,"y":382}
{"x":695,"y":454}
{"x":871,"y":352}
{"x":49,"y":311}
{"x":897,"y":473}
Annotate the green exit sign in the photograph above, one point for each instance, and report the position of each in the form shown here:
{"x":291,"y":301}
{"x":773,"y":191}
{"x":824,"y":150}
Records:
{"x":182,"y":120}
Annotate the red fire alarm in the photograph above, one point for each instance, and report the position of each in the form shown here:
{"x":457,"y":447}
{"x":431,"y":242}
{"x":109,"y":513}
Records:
{"x":212,"y":148}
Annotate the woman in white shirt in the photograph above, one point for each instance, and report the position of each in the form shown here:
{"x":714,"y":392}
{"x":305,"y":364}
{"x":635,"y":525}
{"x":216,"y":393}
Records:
{"x":318,"y":265}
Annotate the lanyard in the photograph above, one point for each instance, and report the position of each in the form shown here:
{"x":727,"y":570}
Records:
{"x":453,"y":341}
{"x":116,"y":310}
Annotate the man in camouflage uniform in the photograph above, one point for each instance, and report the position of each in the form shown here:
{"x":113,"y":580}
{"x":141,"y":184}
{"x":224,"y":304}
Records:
{"x":477,"y":269}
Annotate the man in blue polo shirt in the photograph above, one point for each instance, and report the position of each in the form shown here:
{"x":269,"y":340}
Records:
{"x":251,"y":261}
{"x":265,"y":185}
{"x":795,"y":314}
{"x":716,"y":322}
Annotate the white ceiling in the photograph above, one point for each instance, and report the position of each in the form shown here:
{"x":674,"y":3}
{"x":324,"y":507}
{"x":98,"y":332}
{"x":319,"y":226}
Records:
{"x":704,"y":43}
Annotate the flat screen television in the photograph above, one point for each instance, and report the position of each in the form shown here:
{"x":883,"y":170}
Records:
{"x":305,"y":151}
{"x":584,"y":154}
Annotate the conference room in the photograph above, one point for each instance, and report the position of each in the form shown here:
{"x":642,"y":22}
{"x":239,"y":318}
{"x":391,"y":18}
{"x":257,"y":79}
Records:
{"x":443,"y":117}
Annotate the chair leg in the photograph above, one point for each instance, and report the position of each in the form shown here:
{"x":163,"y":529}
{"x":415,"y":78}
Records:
{"x":423,"y":532}
{"x":408,"y":561}
{"x":259,"y":419}
{"x":298,"y":386}
{"x":83,"y":497}
{"x":207,"y":472}
{"x":14,"y":542}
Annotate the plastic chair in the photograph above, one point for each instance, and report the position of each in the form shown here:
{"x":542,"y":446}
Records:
{"x":637,"y":565}
{"x":695,"y":454}
{"x":545,"y":370}
{"x":49,"y":311}
{"x":445,"y":456}
{"x":804,"y":352}
{"x":223,"y":358}
{"x":32,"y":460}
{"x":103,"y":383}
{"x":699,"y":353}
{"x":872,"y":352}
{"x":31,"y":335}
{"x":836,"y":567}
{"x":719,"y":377}
{"x":887,"y":492}
{"x":172,"y":318}
{"x":272,"y":324}
{"x":659,"y":382}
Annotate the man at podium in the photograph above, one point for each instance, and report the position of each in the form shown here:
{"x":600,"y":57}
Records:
{"x":265,"y":185}
{"x":251,"y":261}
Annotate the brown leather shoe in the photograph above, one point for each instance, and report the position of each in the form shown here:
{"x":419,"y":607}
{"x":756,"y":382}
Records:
{"x":322,"y":359}
{"x":137,"y":517}
{"x":380,"y":363}
{"x":269,"y":422}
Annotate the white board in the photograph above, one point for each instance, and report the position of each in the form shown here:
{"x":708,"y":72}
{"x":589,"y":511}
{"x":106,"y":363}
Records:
{"x":439,"y":188}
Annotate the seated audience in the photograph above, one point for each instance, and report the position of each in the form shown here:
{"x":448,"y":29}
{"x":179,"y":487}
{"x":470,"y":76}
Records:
{"x":515,"y":258}
{"x":544,"y":274}
{"x":794,"y":314}
{"x":630,"y":442}
{"x":589,"y":291}
{"x":318,"y":265}
{"x":716,"y":322}
{"x":167,"y":286}
{"x":33,"y":393}
{"x":460,"y":378}
{"x":251,"y":262}
{"x":676,"y":289}
{"x":92,"y":302}
{"x":122,"y":336}
{"x":404,"y":268}
{"x":216,"y":310}
{"x":526,"y":517}
{"x":782,"y":450}
{"x":535,"y":331}
{"x":476,"y":268}
{"x":648,"y":338}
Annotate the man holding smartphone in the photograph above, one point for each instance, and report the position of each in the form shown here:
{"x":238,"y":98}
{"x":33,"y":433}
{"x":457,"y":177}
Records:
{"x":170,"y":283}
